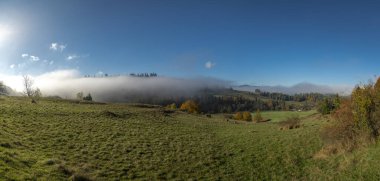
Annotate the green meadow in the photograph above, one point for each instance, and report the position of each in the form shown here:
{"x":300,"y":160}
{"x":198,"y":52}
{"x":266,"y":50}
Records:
{"x":277,"y":116}
{"x":61,"y":140}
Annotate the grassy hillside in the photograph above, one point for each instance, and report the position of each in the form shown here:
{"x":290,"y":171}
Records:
{"x":57,"y":140}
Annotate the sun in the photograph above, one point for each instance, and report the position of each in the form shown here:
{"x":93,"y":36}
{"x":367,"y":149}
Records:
{"x":5,"y":33}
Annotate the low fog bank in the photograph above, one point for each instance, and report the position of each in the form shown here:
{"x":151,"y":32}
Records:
{"x":67,"y":83}
{"x":300,"y":88}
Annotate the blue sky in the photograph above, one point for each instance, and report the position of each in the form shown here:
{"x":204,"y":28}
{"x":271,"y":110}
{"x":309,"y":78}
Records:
{"x":249,"y":42}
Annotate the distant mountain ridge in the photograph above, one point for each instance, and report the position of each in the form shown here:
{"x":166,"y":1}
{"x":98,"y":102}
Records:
{"x":304,"y":87}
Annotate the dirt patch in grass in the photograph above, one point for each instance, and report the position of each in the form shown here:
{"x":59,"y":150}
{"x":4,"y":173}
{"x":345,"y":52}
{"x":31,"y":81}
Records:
{"x":293,"y":122}
{"x":5,"y":145}
{"x":112,"y":114}
{"x":145,"y":106}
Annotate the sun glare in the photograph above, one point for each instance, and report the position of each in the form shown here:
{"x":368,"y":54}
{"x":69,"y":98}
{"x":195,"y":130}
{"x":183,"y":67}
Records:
{"x":5,"y":33}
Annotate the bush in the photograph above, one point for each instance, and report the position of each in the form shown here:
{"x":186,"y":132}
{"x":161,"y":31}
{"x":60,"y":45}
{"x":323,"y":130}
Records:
{"x":238,"y":116}
{"x":257,"y":117}
{"x":247,"y":116}
{"x":356,"y":122}
{"x":329,"y":105}
{"x":88,"y":97}
{"x":37,"y":94}
{"x":325,"y":106}
{"x":172,"y":106}
{"x":292,"y":122}
{"x":363,"y":108}
{"x":190,"y":106}
{"x":244,"y":116}
{"x":343,"y":134}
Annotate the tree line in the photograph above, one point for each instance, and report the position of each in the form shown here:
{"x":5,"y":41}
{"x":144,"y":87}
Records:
{"x":143,"y":75}
{"x":301,"y":97}
{"x":153,"y":74}
{"x":209,"y":103}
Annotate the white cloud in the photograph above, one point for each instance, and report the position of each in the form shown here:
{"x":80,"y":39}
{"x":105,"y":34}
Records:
{"x":72,"y":57}
{"x":34,"y":58}
{"x":24,"y":55}
{"x":62,"y":47}
{"x":57,"y":46}
{"x":48,"y":62}
{"x":54,"y":46}
{"x":14,"y":66}
{"x":31,"y":58}
{"x":209,"y":65}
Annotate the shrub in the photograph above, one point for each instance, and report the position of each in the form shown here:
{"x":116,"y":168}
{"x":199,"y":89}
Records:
{"x":244,"y":116}
{"x":172,"y":106}
{"x":343,"y":134}
{"x":292,"y":122}
{"x":238,"y":116}
{"x":190,"y":106}
{"x":363,"y":107}
{"x":356,"y":122}
{"x":37,"y":94}
{"x":88,"y":97}
{"x":325,"y":106}
{"x":257,"y":117}
{"x":247,"y":116}
{"x":329,"y":105}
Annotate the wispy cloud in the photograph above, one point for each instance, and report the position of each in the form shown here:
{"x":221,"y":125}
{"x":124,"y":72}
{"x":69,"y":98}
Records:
{"x":209,"y":65}
{"x":14,"y":66}
{"x":31,"y":58}
{"x":100,"y":73}
{"x":48,"y":62}
{"x":34,"y":58}
{"x":57,"y":46}
{"x":72,"y":57}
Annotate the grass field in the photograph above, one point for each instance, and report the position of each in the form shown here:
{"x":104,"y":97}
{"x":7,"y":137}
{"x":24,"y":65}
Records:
{"x":277,"y":116}
{"x":57,"y":140}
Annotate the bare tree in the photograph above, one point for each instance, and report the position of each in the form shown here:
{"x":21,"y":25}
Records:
{"x":28,"y":86}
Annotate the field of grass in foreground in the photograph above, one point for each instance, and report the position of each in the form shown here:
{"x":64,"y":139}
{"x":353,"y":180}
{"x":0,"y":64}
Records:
{"x":57,"y":140}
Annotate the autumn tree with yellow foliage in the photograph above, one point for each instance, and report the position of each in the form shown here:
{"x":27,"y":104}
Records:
{"x":244,"y":116}
{"x":190,"y":106}
{"x":357,"y":120}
